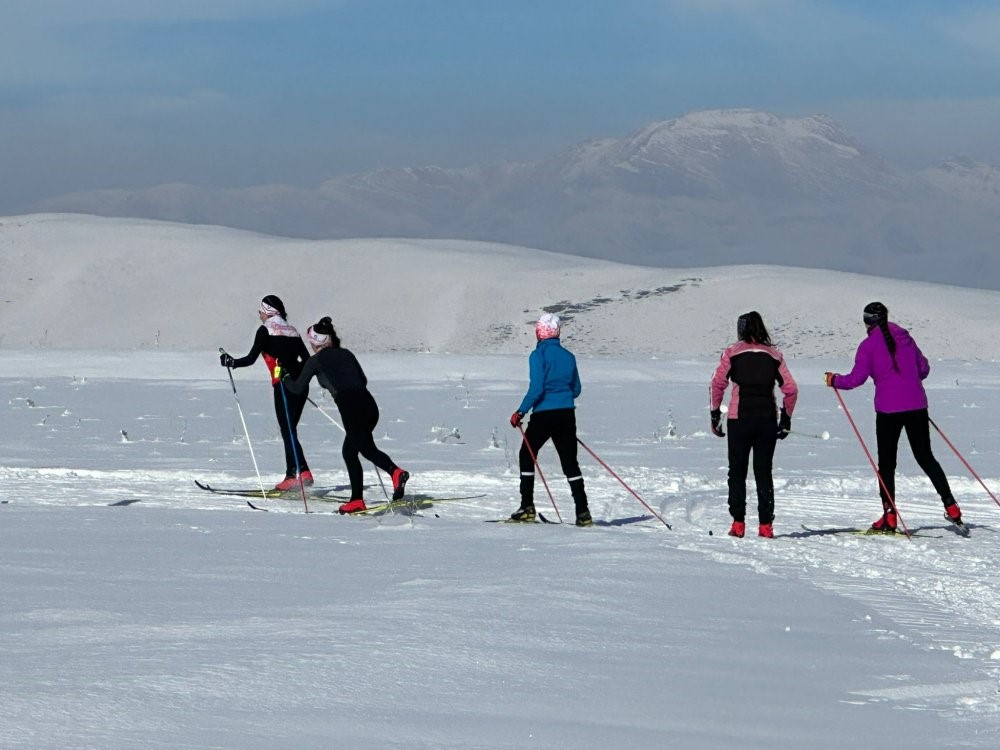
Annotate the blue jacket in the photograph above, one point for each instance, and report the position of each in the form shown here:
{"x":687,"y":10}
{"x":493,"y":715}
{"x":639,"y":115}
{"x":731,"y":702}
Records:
{"x":554,"y":380}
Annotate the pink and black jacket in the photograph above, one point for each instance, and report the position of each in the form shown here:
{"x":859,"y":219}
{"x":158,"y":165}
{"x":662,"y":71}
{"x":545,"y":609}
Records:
{"x":754,"y":370}
{"x":278,"y":341}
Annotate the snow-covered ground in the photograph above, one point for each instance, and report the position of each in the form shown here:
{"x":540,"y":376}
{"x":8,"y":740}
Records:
{"x":140,"y":611}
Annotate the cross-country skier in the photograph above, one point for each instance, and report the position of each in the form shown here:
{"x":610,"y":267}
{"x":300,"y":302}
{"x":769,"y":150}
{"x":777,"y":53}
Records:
{"x":892,"y":359}
{"x":754,"y":367}
{"x":279,"y":341}
{"x":339,"y":371}
{"x":553,"y":387}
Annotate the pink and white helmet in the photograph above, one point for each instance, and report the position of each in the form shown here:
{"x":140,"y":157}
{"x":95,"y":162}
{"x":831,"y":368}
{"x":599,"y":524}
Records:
{"x":548,"y":327}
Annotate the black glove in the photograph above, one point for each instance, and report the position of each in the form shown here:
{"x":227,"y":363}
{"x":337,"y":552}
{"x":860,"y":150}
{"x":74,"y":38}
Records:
{"x":226,"y":360}
{"x":716,"y":415}
{"x":784,"y":425}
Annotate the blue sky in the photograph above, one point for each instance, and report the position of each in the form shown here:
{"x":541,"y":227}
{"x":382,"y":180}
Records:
{"x":132,"y":93}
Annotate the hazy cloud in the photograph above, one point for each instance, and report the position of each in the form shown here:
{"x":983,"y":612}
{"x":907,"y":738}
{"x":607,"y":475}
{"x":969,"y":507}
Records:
{"x":64,"y":12}
{"x":977,"y":29}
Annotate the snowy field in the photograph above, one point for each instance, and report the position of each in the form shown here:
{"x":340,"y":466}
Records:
{"x":140,"y":611}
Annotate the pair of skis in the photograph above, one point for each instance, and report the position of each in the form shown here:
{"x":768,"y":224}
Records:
{"x":415,"y":503}
{"x":959,"y":527}
{"x":539,"y":519}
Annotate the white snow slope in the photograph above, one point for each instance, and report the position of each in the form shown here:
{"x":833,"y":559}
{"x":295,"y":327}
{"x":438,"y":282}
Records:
{"x":140,"y":611}
{"x":71,"y":282}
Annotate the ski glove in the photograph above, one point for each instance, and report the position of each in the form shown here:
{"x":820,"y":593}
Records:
{"x":828,"y":379}
{"x":515,"y":418}
{"x":716,"y":415}
{"x":784,"y":425}
{"x":226,"y":360}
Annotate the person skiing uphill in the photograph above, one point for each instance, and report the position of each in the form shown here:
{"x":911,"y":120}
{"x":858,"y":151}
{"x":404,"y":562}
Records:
{"x":754,"y":367}
{"x":554,"y":384}
{"x":892,"y":359}
{"x":338,"y":370}
{"x":279,"y":341}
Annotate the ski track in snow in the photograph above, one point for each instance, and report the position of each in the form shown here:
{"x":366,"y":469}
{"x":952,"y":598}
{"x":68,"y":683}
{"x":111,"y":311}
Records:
{"x":72,"y":442}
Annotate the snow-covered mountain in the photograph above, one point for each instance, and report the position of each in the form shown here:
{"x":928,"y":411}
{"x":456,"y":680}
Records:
{"x":711,"y":188}
{"x":969,"y":180}
{"x":76,"y":282}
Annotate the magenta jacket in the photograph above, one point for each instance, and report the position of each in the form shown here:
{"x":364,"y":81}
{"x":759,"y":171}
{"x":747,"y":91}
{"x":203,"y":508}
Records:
{"x":895,"y":391}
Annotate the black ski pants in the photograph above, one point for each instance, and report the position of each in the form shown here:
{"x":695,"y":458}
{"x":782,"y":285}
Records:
{"x":359,"y":413}
{"x":888,"y":427}
{"x":559,"y":425}
{"x":289,"y":433}
{"x":746,"y":436}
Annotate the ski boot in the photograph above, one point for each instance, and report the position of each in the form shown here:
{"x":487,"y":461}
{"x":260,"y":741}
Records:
{"x":352,"y":506}
{"x":884,"y":525}
{"x":399,"y":479}
{"x":524,"y":514}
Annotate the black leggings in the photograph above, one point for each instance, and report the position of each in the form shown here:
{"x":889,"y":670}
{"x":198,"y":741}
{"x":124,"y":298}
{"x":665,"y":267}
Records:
{"x":560,"y":426}
{"x":296,"y":403}
{"x":360,"y":414}
{"x":888,"y":427}
{"x":758,"y":435}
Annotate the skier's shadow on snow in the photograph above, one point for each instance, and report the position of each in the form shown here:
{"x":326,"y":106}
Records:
{"x":123,"y":503}
{"x":331,"y":492}
{"x":623,"y":521}
{"x":918,"y":531}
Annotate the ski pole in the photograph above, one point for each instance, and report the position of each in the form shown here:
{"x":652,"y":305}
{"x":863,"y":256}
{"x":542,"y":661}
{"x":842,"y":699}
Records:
{"x":967,"y":466}
{"x":295,"y":452}
{"x":260,"y":482}
{"x":881,"y":481}
{"x":824,"y":436}
{"x":538,"y":468}
{"x":612,"y":473}
{"x":323,"y":412}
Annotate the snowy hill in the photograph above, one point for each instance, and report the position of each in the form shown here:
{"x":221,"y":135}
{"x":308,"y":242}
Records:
{"x":723,"y":187}
{"x":142,"y":611}
{"x":90,"y":283}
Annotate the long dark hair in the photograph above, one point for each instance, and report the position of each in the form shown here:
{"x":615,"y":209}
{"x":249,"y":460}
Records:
{"x":273,"y":300}
{"x":325,"y":326}
{"x":877,"y":314}
{"x":750,"y":328}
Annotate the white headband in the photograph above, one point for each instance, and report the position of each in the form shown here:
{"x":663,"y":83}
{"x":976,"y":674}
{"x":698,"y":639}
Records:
{"x":317,"y":339}
{"x":268,"y":310}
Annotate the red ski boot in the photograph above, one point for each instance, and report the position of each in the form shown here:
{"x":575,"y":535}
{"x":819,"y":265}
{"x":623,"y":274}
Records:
{"x":399,"y":479}
{"x":353,"y":506}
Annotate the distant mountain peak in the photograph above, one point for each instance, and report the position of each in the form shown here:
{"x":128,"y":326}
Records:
{"x":714,"y":187}
{"x":744,"y":123}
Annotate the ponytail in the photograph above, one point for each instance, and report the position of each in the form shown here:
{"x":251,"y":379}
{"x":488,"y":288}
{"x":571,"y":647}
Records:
{"x":890,"y":342}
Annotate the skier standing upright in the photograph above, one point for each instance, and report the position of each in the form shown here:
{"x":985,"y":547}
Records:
{"x":892,"y":359}
{"x":278,"y":341}
{"x":554,"y":384}
{"x":754,"y":367}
